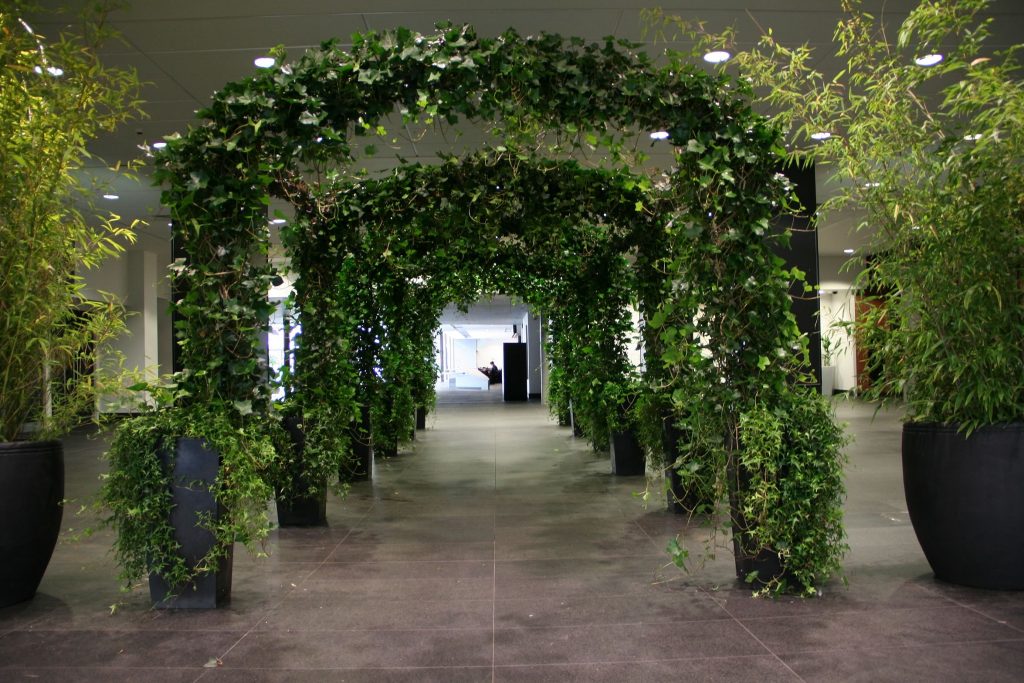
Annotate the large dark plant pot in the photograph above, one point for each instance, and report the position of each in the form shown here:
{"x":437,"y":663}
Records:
{"x":193,"y":470}
{"x":626,"y":454}
{"x":31,"y":491}
{"x":302,"y":509}
{"x":680,"y":500}
{"x":966,"y":502}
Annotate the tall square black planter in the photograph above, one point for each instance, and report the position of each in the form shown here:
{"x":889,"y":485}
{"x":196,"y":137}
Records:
{"x":193,"y":469}
{"x":626,"y":454}
{"x":302,"y":508}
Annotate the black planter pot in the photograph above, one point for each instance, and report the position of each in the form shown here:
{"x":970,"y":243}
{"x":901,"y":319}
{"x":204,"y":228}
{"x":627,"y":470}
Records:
{"x":302,"y":509}
{"x":359,"y":466}
{"x":966,"y":502}
{"x":31,"y":491}
{"x":680,"y":500}
{"x":193,"y":470}
{"x":626,"y":454}
{"x":756,"y":569}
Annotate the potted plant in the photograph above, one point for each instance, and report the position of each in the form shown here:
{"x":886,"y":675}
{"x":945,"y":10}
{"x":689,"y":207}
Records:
{"x":627,"y":456}
{"x":829,"y":351}
{"x":926,"y":137}
{"x":300,"y":487}
{"x":186,"y":481}
{"x":55,"y":97}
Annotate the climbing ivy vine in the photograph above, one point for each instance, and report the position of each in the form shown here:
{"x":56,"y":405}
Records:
{"x":533,"y":213}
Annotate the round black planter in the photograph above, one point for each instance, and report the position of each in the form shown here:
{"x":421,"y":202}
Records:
{"x":31,"y":491}
{"x":193,"y":470}
{"x":966,"y":502}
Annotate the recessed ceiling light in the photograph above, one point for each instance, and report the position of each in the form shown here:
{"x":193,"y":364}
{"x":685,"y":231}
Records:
{"x":823,"y":135}
{"x":928,"y":60}
{"x":916,"y":227}
{"x":659,"y":135}
{"x":159,"y":145}
{"x":52,"y":70}
{"x":278,"y":221}
{"x":264,"y":62}
{"x":848,"y":251}
{"x":717,"y":56}
{"x":872,"y":184}
{"x":111,"y":196}
{"x":972,"y":137}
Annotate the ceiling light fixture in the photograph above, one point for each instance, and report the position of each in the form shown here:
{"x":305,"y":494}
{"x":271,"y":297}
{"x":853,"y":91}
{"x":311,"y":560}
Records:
{"x":823,"y":135}
{"x":717,"y":56}
{"x":849,"y":251}
{"x":659,"y":135}
{"x":111,"y":196}
{"x":54,"y":71}
{"x":928,"y":60}
{"x":264,"y":62}
{"x":279,"y":221}
{"x":159,"y":145}
{"x":972,"y":137}
{"x":872,"y":184}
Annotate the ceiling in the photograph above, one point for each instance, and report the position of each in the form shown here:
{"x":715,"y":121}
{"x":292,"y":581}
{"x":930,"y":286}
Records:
{"x":186,"y":49}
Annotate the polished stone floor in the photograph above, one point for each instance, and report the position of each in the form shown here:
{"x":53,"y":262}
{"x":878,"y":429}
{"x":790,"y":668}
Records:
{"x":500,"y":549}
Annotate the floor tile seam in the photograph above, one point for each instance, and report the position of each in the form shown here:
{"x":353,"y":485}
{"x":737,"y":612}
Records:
{"x":977,"y":609}
{"x":78,"y":667}
{"x":873,"y":610}
{"x":294,"y":587}
{"x":392,"y":562}
{"x":494,"y":568}
{"x":896,"y":648}
{"x":760,"y":642}
{"x":648,"y":535}
{"x":422,"y":629}
{"x":123,"y":631}
{"x":579,"y":558}
{"x":645,"y":660}
{"x":602,"y":624}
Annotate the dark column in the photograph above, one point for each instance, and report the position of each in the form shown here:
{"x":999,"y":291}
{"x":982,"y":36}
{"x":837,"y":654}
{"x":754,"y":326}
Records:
{"x":803,"y":253}
{"x":514,"y":374}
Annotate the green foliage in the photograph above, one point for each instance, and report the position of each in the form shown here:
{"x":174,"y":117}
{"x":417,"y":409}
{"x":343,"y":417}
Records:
{"x":50,"y":336}
{"x":378,"y":259}
{"x":932,"y":157}
{"x":136,"y":491}
{"x":793,"y":503}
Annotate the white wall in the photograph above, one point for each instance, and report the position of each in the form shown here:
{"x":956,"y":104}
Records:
{"x":838,"y":301}
{"x":138,"y":278}
{"x":837,"y":307}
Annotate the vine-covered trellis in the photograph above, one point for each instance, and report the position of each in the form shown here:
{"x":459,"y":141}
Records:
{"x":377,"y":259}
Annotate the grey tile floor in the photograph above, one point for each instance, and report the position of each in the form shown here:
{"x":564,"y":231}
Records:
{"x":500,"y":549}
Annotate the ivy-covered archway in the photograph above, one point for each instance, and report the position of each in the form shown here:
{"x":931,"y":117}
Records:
{"x":722,"y":348}
{"x":391,"y":253}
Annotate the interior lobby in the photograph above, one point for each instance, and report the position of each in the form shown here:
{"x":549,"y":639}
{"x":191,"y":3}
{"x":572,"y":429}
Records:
{"x":496,"y":545}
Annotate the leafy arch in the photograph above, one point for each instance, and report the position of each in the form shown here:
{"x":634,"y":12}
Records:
{"x":394,"y":251}
{"x":720,"y":341}
{"x":300,"y":116}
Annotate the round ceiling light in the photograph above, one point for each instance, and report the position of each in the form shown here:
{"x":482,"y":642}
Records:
{"x":717,"y":56}
{"x":264,"y":62}
{"x":928,"y":60}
